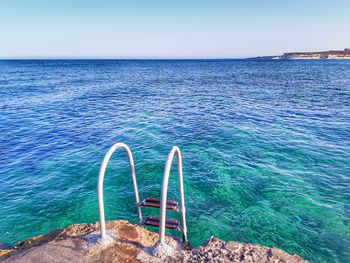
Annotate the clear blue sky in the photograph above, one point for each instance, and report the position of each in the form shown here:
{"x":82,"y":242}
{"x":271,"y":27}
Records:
{"x":170,"y":28}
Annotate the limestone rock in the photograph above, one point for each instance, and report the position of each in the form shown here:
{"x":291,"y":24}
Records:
{"x":133,"y":243}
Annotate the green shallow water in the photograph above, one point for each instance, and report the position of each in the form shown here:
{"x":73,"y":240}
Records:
{"x":265,"y":144}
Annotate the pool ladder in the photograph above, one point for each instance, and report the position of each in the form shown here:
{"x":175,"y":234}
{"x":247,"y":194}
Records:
{"x":161,"y":203}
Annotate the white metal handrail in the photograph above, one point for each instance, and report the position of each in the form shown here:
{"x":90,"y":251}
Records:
{"x":163,"y":199}
{"x":100,"y":184}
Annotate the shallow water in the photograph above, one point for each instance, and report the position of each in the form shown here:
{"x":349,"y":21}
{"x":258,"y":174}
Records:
{"x":265,"y":144}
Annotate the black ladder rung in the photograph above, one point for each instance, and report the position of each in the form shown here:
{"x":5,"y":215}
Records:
{"x":155,"y":202}
{"x":169,"y":223}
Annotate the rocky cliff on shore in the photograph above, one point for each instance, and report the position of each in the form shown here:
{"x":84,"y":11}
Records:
{"x":331,"y":54}
{"x":132,"y":243}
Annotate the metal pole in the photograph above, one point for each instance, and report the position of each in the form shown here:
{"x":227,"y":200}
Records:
{"x":100,"y":184}
{"x":163,"y":199}
{"x":182,"y":195}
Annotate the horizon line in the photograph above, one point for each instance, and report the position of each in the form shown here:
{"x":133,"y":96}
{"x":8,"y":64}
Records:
{"x":115,"y":58}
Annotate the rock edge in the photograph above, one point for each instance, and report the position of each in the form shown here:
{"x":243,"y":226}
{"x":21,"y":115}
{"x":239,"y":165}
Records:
{"x":133,"y":243}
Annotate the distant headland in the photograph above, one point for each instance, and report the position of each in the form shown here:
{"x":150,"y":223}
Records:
{"x":332,"y":54}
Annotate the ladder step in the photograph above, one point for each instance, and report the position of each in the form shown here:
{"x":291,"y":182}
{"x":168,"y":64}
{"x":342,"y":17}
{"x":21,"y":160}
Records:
{"x":155,"y":202}
{"x":169,"y":223}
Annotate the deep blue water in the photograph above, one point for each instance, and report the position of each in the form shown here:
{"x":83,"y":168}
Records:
{"x":265,"y":144}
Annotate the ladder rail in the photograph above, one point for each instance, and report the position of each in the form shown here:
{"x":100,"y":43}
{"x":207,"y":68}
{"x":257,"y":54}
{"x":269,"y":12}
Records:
{"x":100,"y":184}
{"x":164,"y":193}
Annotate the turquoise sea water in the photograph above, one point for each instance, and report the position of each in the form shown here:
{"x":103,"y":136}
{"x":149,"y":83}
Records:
{"x":265,"y":144}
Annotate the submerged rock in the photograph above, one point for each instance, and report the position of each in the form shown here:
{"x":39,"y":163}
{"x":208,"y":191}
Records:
{"x":133,"y":243}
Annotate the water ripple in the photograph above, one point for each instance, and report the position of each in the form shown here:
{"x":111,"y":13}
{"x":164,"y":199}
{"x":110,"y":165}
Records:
{"x":265,"y":144}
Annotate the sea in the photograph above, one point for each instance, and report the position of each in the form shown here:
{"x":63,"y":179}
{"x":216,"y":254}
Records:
{"x":265,"y":147}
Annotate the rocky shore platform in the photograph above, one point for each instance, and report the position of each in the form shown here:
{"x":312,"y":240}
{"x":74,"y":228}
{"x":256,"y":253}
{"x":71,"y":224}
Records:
{"x":131,"y":243}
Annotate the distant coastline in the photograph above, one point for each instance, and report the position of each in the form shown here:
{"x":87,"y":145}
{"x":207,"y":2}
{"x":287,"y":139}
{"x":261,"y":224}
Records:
{"x":332,"y":54}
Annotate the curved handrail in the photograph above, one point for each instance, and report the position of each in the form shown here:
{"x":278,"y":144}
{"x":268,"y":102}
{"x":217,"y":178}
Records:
{"x":163,"y":199}
{"x":101,"y":175}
